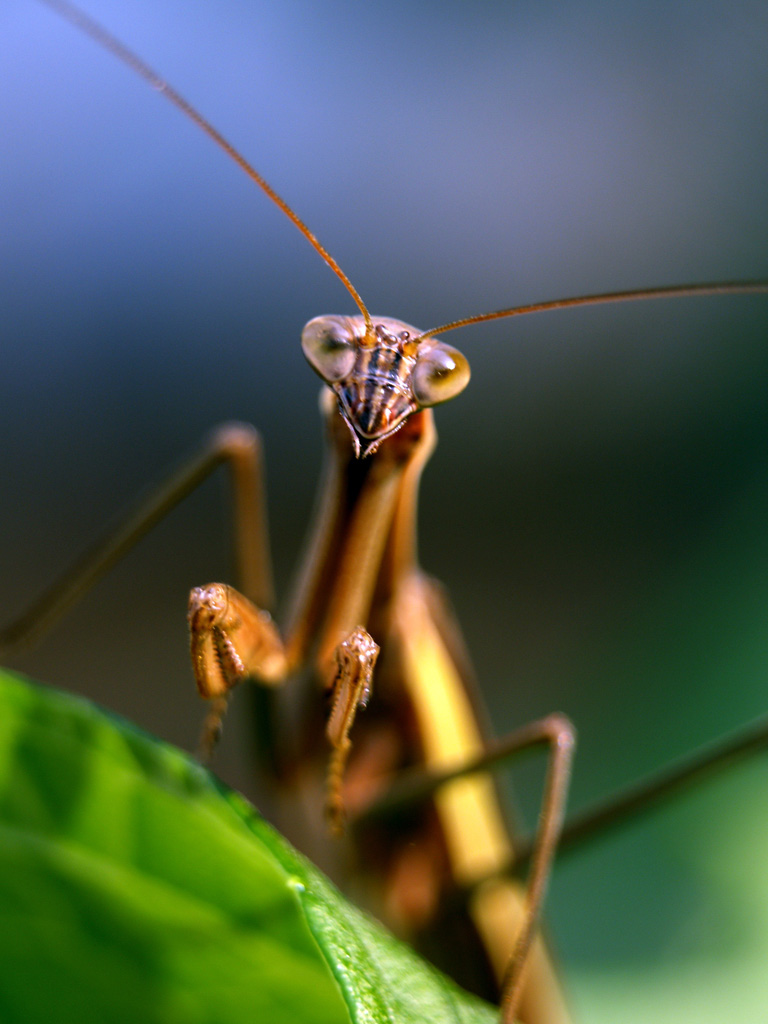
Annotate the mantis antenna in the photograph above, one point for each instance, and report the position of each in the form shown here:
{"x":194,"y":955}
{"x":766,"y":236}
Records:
{"x":107,"y":41}
{"x":113,"y":45}
{"x":673,"y":291}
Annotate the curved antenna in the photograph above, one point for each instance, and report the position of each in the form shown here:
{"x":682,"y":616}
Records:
{"x":673,"y":291}
{"x":95,"y":31}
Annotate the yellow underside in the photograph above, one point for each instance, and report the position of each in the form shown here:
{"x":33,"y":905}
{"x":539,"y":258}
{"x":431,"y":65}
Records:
{"x":477,"y":840}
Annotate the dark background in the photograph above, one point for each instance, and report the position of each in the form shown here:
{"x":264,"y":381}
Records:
{"x":598,"y":502}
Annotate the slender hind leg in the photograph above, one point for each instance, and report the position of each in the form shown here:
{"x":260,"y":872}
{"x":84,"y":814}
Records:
{"x":475,"y":840}
{"x":488,"y":897}
{"x":236,"y":446}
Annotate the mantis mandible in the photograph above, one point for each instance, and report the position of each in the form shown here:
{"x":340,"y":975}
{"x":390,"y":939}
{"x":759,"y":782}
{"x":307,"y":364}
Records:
{"x":204,"y":575}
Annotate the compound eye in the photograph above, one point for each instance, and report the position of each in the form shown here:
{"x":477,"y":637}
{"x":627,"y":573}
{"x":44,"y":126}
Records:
{"x":440,"y":373}
{"x":329,"y":345}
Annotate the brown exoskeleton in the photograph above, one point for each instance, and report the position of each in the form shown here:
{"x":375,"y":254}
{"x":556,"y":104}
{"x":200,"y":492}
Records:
{"x":360,"y":724}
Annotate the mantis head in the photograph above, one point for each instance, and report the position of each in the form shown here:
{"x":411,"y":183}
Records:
{"x":381,"y":373}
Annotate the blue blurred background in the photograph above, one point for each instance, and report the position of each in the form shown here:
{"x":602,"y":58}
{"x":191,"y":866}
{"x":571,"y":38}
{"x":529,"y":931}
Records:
{"x":598,"y":505}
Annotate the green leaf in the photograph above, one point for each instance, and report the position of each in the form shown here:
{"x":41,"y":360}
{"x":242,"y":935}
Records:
{"x":135,"y":887}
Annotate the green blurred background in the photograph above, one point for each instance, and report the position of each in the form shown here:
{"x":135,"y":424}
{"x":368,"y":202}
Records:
{"x":598,"y":505}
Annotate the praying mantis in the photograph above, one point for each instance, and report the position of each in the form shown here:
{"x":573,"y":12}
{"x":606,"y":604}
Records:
{"x":506,"y":470}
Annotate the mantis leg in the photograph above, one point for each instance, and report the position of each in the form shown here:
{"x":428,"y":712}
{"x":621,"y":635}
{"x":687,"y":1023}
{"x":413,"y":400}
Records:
{"x":236,"y":446}
{"x":673,"y":780}
{"x":474,"y":834}
{"x":233,"y":639}
{"x":488,"y":896}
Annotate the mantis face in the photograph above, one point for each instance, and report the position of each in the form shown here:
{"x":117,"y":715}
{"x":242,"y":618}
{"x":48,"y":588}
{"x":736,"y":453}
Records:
{"x":381,"y":375}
